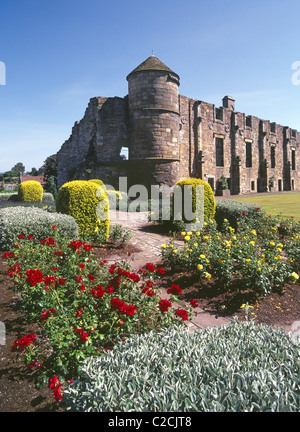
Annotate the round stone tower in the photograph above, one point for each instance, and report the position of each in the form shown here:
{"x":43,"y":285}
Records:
{"x":153,"y":105}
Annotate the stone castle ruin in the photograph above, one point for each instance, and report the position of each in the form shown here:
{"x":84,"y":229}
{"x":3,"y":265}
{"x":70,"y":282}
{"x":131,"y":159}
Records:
{"x":170,"y":137}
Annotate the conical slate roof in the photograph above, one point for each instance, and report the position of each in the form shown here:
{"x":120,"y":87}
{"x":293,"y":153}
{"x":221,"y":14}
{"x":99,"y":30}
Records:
{"x":152,"y":63}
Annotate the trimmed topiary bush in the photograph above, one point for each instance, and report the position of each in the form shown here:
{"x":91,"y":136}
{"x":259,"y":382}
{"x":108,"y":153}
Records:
{"x":35,"y":222}
{"x":97,"y":181}
{"x":87,"y":202}
{"x":233,"y":368}
{"x":209,"y":197}
{"x":30,"y":190}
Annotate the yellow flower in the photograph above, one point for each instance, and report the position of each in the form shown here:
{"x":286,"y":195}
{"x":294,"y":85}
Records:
{"x":202,"y":256}
{"x":279,"y":249}
{"x":207,"y":276}
{"x":234,"y":237}
{"x":280,"y":245}
{"x":187,"y":238}
{"x":246,"y":306}
{"x":252,"y":243}
{"x":225,"y":220}
{"x":207,"y":261}
{"x":199,"y":266}
{"x":253,"y":232}
{"x":274,"y":229}
{"x":272,"y":243}
{"x":183,"y":233}
{"x":278,"y":257}
{"x":175,"y":250}
{"x":248,"y":260}
{"x":198,"y":233}
{"x":189,"y":233}
{"x":195,"y":244}
{"x":205,"y":238}
{"x":295,"y":276}
{"x":221,"y":261}
{"x":163,"y":246}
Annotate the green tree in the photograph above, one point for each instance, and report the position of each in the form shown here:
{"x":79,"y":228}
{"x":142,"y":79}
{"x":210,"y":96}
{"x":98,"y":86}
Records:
{"x":51,"y":187}
{"x":49,"y":169}
{"x":18,"y":168}
{"x":33,"y":172}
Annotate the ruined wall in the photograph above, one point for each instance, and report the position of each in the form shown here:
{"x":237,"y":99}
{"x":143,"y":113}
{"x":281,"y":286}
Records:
{"x":95,"y":142}
{"x":216,"y":141}
{"x":171,"y":137}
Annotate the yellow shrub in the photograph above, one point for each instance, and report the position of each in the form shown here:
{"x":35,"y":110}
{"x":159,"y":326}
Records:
{"x":97,"y":181}
{"x":87,"y":202}
{"x":30,"y":190}
{"x":209,"y":197}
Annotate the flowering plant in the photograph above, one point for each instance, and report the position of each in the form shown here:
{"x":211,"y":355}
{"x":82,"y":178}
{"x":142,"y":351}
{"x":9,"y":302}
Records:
{"x":254,"y":256}
{"x":82,"y":306}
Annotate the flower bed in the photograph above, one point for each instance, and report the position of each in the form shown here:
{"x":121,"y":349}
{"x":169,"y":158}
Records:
{"x":82,"y":307}
{"x":261,"y":255}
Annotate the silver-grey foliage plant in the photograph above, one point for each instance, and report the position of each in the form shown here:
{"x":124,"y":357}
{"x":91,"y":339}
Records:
{"x":35,"y":222}
{"x":238,"y":367}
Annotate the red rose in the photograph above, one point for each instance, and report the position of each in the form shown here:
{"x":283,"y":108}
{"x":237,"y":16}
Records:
{"x":23,"y":342}
{"x":194,"y":303}
{"x":161,"y":270}
{"x":182,"y":314}
{"x":164,"y":305}
{"x":174,"y":290}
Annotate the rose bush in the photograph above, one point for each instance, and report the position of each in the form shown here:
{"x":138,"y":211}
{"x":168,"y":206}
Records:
{"x":253,"y":256}
{"x":82,"y":306}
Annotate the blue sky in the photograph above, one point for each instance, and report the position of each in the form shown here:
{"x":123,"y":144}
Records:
{"x":60,"y":53}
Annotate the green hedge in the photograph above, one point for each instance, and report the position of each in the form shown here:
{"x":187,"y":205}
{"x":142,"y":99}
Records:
{"x":47,"y":196}
{"x":35,"y":222}
{"x":236,"y":367}
{"x":235,"y":211}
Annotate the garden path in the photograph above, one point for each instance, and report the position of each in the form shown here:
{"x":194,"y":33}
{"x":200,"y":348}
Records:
{"x":148,"y":240}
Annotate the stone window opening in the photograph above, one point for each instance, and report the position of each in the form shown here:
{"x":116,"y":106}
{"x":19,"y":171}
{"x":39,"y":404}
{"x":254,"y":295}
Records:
{"x":211,"y":182}
{"x":273,"y":127}
{"x":293,"y":159}
{"x":219,"y":152}
{"x":219,"y":114}
{"x":273,"y":157}
{"x":249,"y":121}
{"x":248,"y":154}
{"x":124,"y":153}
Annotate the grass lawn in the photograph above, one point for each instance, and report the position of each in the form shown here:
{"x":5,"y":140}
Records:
{"x":284,"y":205}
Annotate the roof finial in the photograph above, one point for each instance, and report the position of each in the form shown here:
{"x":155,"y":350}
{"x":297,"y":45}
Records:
{"x":152,"y":53}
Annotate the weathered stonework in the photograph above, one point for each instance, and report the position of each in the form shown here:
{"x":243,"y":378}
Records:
{"x":170,"y":137}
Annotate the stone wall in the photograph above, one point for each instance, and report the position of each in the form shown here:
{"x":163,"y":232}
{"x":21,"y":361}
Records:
{"x":95,"y":142}
{"x":171,"y":137}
